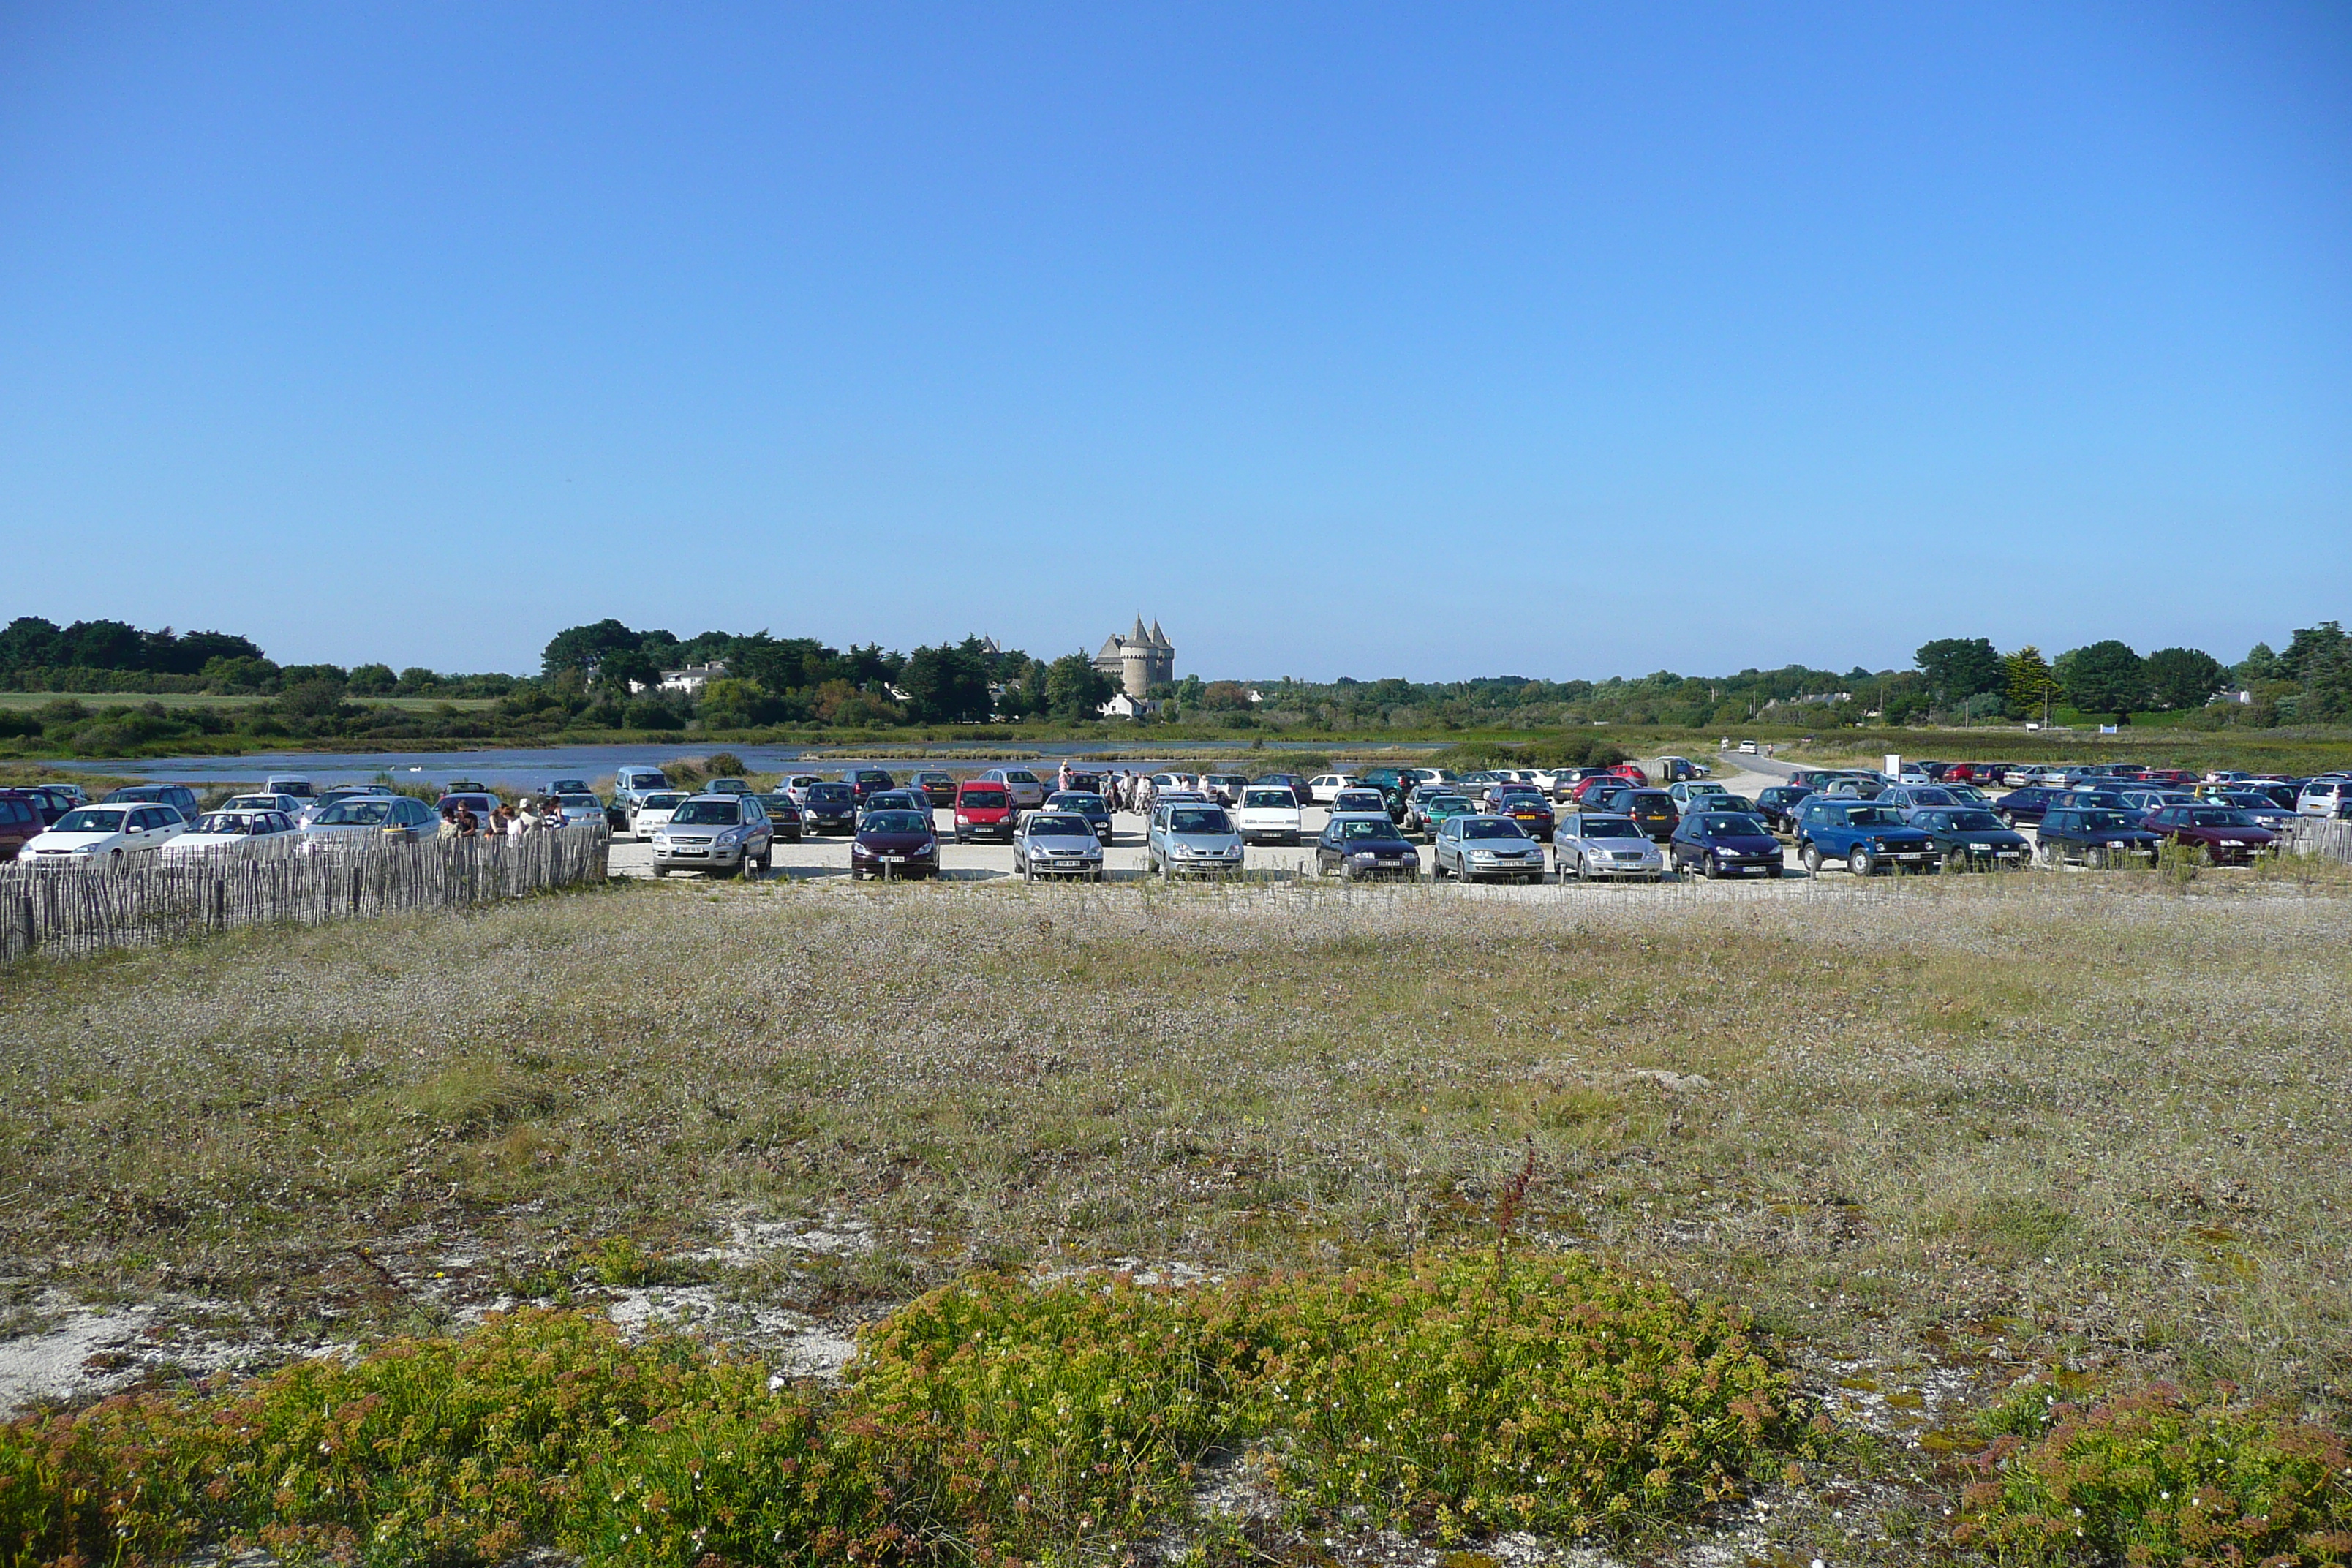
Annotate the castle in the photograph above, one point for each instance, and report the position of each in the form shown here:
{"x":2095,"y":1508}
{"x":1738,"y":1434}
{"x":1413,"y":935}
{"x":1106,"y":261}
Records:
{"x":1138,"y":661}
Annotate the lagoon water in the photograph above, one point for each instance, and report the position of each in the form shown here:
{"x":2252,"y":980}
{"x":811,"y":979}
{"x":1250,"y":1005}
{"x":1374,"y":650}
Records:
{"x":534,"y":767}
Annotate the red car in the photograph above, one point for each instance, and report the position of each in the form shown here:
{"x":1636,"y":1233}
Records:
{"x":983,"y":809}
{"x":2224,"y":835}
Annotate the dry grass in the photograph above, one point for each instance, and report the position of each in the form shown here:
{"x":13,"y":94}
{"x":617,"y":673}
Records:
{"x":1947,"y":1134}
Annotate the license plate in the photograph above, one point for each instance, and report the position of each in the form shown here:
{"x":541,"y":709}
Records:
{"x":894,"y":859}
{"x":690,"y":854}
{"x":1069,"y":865}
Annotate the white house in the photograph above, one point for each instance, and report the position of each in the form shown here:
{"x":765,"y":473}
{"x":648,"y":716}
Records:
{"x":1123,"y":705}
{"x":693,"y":678}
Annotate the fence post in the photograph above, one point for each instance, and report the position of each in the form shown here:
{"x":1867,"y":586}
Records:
{"x":24,"y":913}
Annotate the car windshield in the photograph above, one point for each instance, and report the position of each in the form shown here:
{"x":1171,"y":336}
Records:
{"x":250,"y":803}
{"x":2222,"y":817}
{"x":2255,"y":802}
{"x":831,"y":792}
{"x":662,"y":799}
{"x":1608,"y":827}
{"x":88,"y":821}
{"x":1490,"y":828}
{"x":1926,"y":795}
{"x":778,"y":801}
{"x":365,"y":813}
{"x":706,"y":813}
{"x":895,"y":822}
{"x":1873,"y":816}
{"x":1445,"y":803}
{"x":1072,"y":801}
{"x":986,"y":799}
{"x":1735,"y":824}
{"x":1650,"y":800}
{"x":1362,"y":828}
{"x":1975,"y":822}
{"x":1278,"y":798}
{"x":1198,"y":820}
{"x":1044,"y":827}
{"x":2106,"y":820}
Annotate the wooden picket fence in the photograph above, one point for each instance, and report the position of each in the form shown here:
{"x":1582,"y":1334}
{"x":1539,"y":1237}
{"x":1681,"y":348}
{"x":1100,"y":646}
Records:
{"x":63,"y":910}
{"x":2320,"y":835}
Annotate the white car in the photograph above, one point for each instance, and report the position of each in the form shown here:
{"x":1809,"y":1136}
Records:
{"x":315,"y":809}
{"x":1269,"y":815}
{"x":105,"y":835}
{"x":292,"y":784}
{"x":1326,"y":787}
{"x":231,"y":834}
{"x":1690,"y":791}
{"x":2325,"y":797}
{"x":1022,"y":785}
{"x":653,"y":809}
{"x":1599,"y":844}
{"x":290,"y":807}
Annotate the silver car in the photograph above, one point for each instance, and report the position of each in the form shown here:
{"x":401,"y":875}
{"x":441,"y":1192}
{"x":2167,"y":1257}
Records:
{"x":397,"y":818}
{"x":1192,"y":839}
{"x":1470,"y":847}
{"x":1597,"y":843}
{"x":721,"y":834}
{"x":1057,"y":844}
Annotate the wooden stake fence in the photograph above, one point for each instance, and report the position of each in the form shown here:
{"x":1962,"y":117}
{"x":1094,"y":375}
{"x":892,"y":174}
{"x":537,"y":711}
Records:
{"x":2320,"y":835}
{"x":68,"y":909}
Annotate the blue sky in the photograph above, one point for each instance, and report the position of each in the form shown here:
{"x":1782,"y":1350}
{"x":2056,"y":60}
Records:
{"x":1344,"y":340}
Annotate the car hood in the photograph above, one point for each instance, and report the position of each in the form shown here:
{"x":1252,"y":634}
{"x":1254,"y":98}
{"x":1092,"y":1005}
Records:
{"x":1206,"y":840}
{"x":1065,"y":844}
{"x":70,"y":840}
{"x":1746,"y":843}
{"x":214,"y":841}
{"x":1376,"y":847}
{"x":1984,"y":836}
{"x":895,"y":843}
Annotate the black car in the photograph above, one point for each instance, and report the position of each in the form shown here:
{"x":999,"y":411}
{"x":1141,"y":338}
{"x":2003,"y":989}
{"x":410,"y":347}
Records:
{"x":179,"y":796}
{"x":1778,"y":805}
{"x":2032,"y":803}
{"x":829,"y":809}
{"x":895,"y":844}
{"x":1724,"y":844}
{"x":1392,"y":787}
{"x":1653,"y":810}
{"x":1364,"y":846}
{"x":1086,"y":804}
{"x":1972,"y":838}
{"x":939,"y":787}
{"x":867,"y":782}
{"x":782,"y":816}
{"x":1295,"y":783}
{"x":2094,"y":835}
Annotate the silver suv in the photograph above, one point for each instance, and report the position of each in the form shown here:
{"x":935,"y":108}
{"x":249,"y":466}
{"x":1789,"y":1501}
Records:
{"x":720,"y":834}
{"x":1191,"y":838}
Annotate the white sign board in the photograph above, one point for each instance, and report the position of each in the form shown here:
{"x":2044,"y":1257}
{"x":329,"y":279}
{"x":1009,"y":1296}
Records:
{"x":1895,"y":764}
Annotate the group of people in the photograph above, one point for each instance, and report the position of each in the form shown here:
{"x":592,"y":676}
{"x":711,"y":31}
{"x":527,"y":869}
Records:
{"x":458,"y":820}
{"x":1121,"y":790}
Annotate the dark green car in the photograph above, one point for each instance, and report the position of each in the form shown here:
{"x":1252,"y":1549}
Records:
{"x":1973,"y":839}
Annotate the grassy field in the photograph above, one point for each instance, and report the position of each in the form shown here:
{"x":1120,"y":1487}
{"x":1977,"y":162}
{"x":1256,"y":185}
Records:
{"x":95,"y":701}
{"x":1939,"y":1140}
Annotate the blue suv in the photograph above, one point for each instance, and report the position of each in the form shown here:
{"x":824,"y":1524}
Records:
{"x":1864,"y":836}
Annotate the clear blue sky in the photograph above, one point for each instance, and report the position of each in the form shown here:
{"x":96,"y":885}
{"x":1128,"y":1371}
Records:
{"x":1352,"y":339}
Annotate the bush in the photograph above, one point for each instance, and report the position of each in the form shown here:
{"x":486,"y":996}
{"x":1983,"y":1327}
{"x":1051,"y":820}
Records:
{"x":2158,"y":1478}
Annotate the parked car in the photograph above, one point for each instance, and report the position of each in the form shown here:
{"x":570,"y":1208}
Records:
{"x":579,"y":808}
{"x":652,"y":808}
{"x":481,"y":806}
{"x":1652,"y":809}
{"x":1724,"y":844}
{"x":1971,"y":839}
{"x":783,"y":816}
{"x":827,"y":806}
{"x":1027,"y":792}
{"x":1428,"y":811}
{"x":2094,"y":835}
{"x":894,"y":800}
{"x":1685,"y":793}
{"x":1324,"y":788}
{"x":52,"y":802}
{"x":1269,"y":814}
{"x":1592,"y":788}
{"x":398,"y":817}
{"x":1356,"y":801}
{"x":1589,"y":844}
{"x":1057,"y":844}
{"x":1358,"y":843}
{"x":20,"y":822}
{"x":984,"y":809}
{"x":235,"y":836}
{"x":1777,"y":804}
{"x":726,"y":786}
{"x":2220,"y":835}
{"x":286,"y":804}
{"x":179,"y":798}
{"x":2325,"y":797}
{"x":722,"y":835}
{"x":1224,"y":788}
{"x":314,"y":809}
{"x":1393,"y":788}
{"x":1529,"y":808}
{"x":797,"y":785}
{"x":1867,"y":837}
{"x":941,"y":787}
{"x":1086,"y":804}
{"x":630,"y":780}
{"x":2028,"y":805}
{"x":895,"y":846}
{"x":1295,"y":783}
{"x":1474,"y":847}
{"x":1908,"y":798}
{"x":2266,"y":812}
{"x":560,"y":787}
{"x":293,"y":785}
{"x":111,"y":833}
{"x":1191,"y":838}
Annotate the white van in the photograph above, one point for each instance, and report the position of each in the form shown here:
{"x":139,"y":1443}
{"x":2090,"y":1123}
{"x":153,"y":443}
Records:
{"x":633,"y":780}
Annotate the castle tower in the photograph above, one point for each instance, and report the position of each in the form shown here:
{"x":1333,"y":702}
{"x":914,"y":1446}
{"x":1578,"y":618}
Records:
{"x":1139,"y":660}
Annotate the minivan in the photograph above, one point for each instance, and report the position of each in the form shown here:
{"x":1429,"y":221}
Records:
{"x":984,"y":809}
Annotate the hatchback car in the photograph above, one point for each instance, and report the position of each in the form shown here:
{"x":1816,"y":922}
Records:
{"x":1022,"y":785}
{"x":895,"y":800}
{"x":1724,"y":844}
{"x":896,"y":846}
{"x":1867,"y":836}
{"x":1971,"y":839}
{"x":1777,"y":804}
{"x":1269,"y":814}
{"x":235,"y":836}
{"x":1357,"y":845}
{"x":1086,"y":804}
{"x":179,"y":798}
{"x":2094,"y":836}
{"x":2021,"y":808}
{"x":1355,"y":802}
{"x":20,"y":822}
{"x":1475,"y":847}
{"x":481,"y":806}
{"x":784,"y":814}
{"x":1057,"y":844}
{"x":939,"y":787}
{"x":395,"y":819}
{"x":1525,"y":806}
{"x":105,"y":835}
{"x":1652,"y":809}
{"x":828,"y":808}
{"x":1192,"y":839}
{"x":2218,"y":835}
{"x":2325,"y":797}
{"x":1326,"y":788}
{"x":653,"y":807}
{"x":984,"y":809}
{"x":1224,"y":788}
{"x":1430,"y":810}
{"x":1590,"y":844}
{"x":723,"y":835}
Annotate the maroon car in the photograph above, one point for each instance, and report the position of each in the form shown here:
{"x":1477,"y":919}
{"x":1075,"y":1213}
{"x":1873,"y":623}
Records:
{"x":2225,"y":834}
{"x":20,"y":821}
{"x":894,"y":844}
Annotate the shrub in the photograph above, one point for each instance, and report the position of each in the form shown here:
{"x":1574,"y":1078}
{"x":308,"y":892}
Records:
{"x":2159,"y":1478}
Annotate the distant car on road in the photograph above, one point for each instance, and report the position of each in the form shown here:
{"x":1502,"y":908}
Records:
{"x":1269,"y":814}
{"x":1057,"y":844}
{"x":1356,"y":845}
{"x":1724,"y":844}
{"x":1192,"y":839}
{"x":723,"y":835}
{"x":1971,"y":839}
{"x":1589,"y":844}
{"x":1867,"y":836}
{"x":1475,"y":847}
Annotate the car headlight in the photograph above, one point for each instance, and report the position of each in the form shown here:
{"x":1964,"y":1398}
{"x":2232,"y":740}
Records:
{"x":1482,"y":854}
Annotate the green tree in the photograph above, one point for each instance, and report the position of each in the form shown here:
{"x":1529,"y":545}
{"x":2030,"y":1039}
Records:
{"x":2028,"y":683}
{"x":947,"y":685}
{"x":584,"y":647}
{"x":373,"y":679}
{"x":2185,"y":676}
{"x":1957,"y":669}
{"x":2259,"y":665}
{"x":1075,"y":689}
{"x":2314,"y":648}
{"x":2107,"y":678}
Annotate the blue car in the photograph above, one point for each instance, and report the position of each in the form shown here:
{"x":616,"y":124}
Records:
{"x":1724,"y":844}
{"x":1973,"y":839}
{"x":2030,"y":804}
{"x":1864,"y":836}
